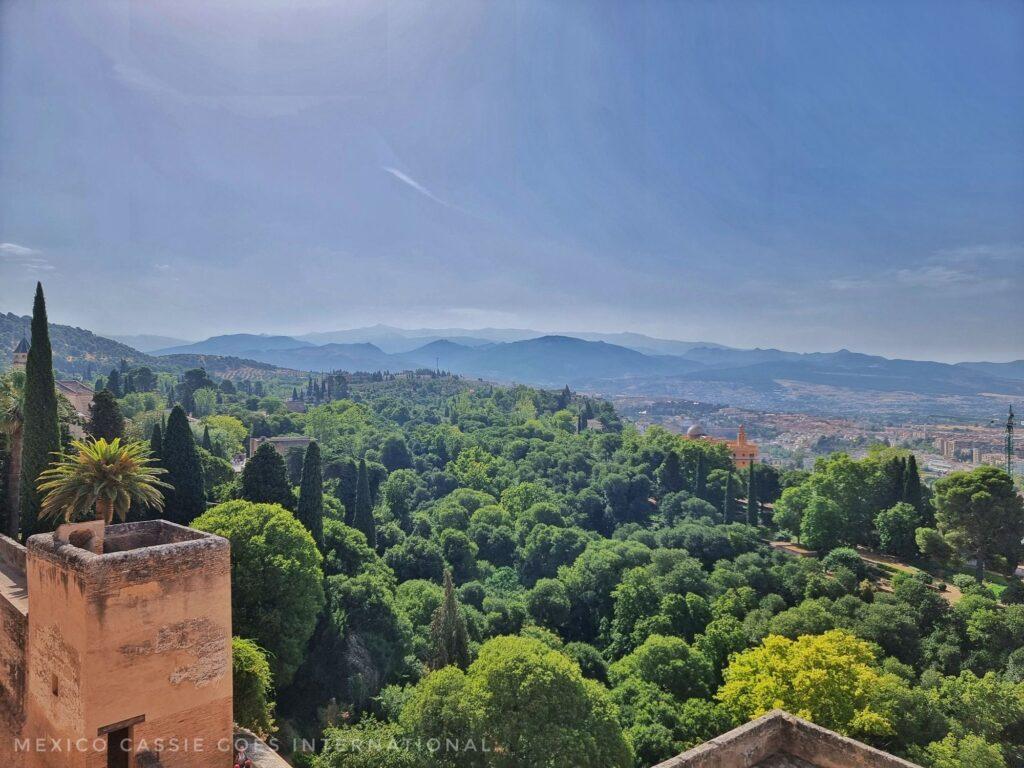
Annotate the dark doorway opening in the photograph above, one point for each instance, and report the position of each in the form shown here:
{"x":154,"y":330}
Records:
{"x":119,"y":748}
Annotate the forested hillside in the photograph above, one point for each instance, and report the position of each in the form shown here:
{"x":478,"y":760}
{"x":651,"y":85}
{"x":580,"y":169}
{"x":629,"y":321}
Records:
{"x":528,"y":580}
{"x":472,"y":566}
{"x":75,"y":350}
{"x":82,"y":354}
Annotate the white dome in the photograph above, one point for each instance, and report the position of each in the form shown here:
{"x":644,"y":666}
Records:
{"x":695,"y":431}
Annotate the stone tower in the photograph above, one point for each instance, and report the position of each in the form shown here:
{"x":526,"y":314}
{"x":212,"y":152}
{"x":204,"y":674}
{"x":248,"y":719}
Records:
{"x":128,"y":652}
{"x":19,"y":358}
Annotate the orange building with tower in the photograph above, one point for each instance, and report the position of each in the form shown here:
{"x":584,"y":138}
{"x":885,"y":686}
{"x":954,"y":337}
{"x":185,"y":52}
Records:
{"x":743,"y":453}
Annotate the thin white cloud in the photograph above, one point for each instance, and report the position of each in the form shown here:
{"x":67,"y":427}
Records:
{"x":411,"y":182}
{"x":935,"y":276}
{"x":990,"y":252}
{"x":849,"y":283}
{"x":27,"y":258}
{"x":17,"y":250}
{"x":968,"y":270}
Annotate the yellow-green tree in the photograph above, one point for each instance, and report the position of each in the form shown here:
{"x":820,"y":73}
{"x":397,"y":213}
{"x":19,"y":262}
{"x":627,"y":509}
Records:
{"x":528,"y":704}
{"x":830,"y":679}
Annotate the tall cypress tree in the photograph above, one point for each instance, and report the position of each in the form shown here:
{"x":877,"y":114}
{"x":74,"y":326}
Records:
{"x":912,"y":485}
{"x":156,"y":442}
{"x":348,"y":481}
{"x":700,"y":488}
{"x":670,"y":473}
{"x":728,"y":501}
{"x":752,"y":516}
{"x":207,"y":443}
{"x":448,"y":637}
{"x":180,"y":457}
{"x":105,"y":419}
{"x":363,"y":520}
{"x":264,"y":479}
{"x":114,"y":383}
{"x":311,"y":495}
{"x":40,"y":430}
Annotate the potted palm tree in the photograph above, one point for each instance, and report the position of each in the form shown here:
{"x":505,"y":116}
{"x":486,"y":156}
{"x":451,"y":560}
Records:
{"x":102,"y":479}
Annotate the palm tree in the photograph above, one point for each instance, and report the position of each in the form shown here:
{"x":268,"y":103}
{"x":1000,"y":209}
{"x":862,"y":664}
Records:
{"x":107,"y":476}
{"x":12,"y":418}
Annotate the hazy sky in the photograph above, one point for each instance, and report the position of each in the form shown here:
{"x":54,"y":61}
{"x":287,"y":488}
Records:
{"x":806,"y":175}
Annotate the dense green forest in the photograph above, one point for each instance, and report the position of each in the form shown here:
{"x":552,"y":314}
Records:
{"x":461,"y":574}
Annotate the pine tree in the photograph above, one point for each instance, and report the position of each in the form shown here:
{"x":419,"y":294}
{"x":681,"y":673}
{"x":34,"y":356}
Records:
{"x":311,"y":495}
{"x":114,"y":383}
{"x":265,"y":479}
{"x":180,"y":457}
{"x":362,"y":518}
{"x":40,"y":430}
{"x":105,"y":419}
{"x":752,"y":516}
{"x":207,"y":443}
{"x":448,"y":637}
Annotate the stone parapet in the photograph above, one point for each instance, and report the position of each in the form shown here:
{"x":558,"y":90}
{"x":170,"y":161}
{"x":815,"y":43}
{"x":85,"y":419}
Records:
{"x":779,"y":734}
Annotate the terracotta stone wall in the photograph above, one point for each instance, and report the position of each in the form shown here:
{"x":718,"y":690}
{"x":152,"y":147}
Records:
{"x":141,"y":635}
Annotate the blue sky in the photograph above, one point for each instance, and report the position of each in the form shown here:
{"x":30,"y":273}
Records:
{"x":804,"y":175}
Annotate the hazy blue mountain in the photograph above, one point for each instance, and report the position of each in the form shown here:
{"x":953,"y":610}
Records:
{"x":392,"y":339}
{"x":725,"y":357}
{"x":554,"y":360}
{"x":146,"y":342}
{"x":447,"y":355}
{"x":861,"y":372}
{"x":1011,"y":370}
{"x":333,"y":357}
{"x":244,"y":344}
{"x":548,"y":360}
{"x":649,"y":345}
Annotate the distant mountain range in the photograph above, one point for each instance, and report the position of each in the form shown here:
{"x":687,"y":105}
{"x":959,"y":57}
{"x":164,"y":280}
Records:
{"x":391,"y":339}
{"x":623,"y":364}
{"x":146,"y":342}
{"x":601,"y":360}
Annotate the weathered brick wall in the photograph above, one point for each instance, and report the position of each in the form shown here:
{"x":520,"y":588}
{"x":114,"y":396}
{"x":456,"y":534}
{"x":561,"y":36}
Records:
{"x":12,"y":553}
{"x":155,"y":610}
{"x":13,"y":632}
{"x":13,"y":637}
